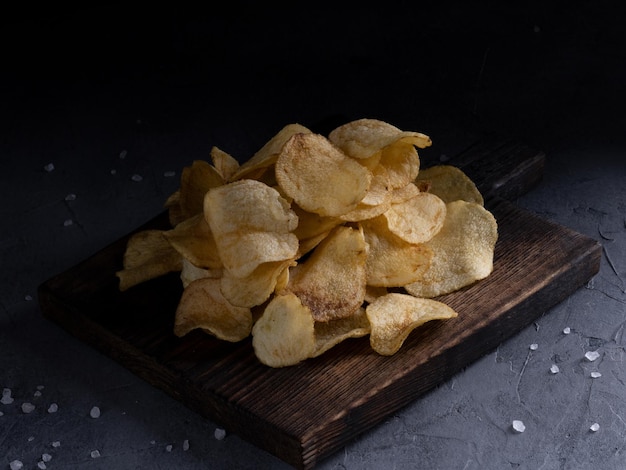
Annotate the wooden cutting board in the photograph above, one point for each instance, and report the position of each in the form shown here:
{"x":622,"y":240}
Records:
{"x":304,"y":413}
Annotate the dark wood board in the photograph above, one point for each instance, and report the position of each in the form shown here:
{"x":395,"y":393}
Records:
{"x":304,"y":413}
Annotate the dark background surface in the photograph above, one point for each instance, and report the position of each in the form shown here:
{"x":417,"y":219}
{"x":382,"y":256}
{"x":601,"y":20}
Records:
{"x":160,"y":85}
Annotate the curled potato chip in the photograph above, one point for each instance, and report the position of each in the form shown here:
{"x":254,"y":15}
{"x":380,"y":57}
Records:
{"x":190,"y":273}
{"x":331,"y":333}
{"x":195,"y":181}
{"x":319,"y":177}
{"x":225,"y":164}
{"x":311,"y":224}
{"x":285,"y":334}
{"x":193,"y":239}
{"x":392,"y":261}
{"x":417,"y":219}
{"x":252,"y":224}
{"x":462,"y":250}
{"x":202,"y":306}
{"x":394,"y":316}
{"x":148,"y":255}
{"x":450,"y":184}
{"x":331,"y":281}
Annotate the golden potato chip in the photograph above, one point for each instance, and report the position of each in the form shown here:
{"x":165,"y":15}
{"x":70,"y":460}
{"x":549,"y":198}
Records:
{"x":193,"y":239}
{"x":148,"y":255}
{"x":267,"y":155}
{"x":190,"y":273}
{"x":417,"y":219}
{"x":331,"y":281}
{"x":255,"y":288}
{"x":225,"y":164}
{"x":252,"y":224}
{"x":394,"y":316}
{"x":195,"y":181}
{"x":402,"y":163}
{"x":373,"y":292}
{"x":450,"y":184}
{"x":319,"y":177}
{"x":311,"y":224}
{"x":285,"y":333}
{"x":462,"y":250}
{"x":376,"y":201}
{"x":174,"y":209}
{"x":202,"y":306}
{"x":331,"y":333}
{"x":392,"y":261}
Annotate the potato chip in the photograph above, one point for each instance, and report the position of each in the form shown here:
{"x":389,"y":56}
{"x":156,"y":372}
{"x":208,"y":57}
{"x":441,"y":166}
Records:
{"x":148,"y":255}
{"x":285,"y":333}
{"x":225,"y":164}
{"x":392,"y":261}
{"x":417,"y":219}
{"x":394,"y":316}
{"x":319,"y":177}
{"x":252,"y":224}
{"x":189,"y":273}
{"x":311,"y":224}
{"x":267,"y":155}
{"x":462,"y":250}
{"x":331,"y":281}
{"x":193,"y":239}
{"x":174,"y":209}
{"x":195,"y":181}
{"x":331,"y":333}
{"x":202,"y":306}
{"x":450,"y":184}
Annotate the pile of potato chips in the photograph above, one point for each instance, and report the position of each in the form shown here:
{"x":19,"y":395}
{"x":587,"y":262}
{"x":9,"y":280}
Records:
{"x":316,"y":239}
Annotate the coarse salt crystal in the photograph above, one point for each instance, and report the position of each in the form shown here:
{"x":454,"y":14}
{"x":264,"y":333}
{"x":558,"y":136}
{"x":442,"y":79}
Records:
{"x":53,"y":408}
{"x":16,"y":465}
{"x":595,"y":375}
{"x":95,"y":454}
{"x":6,"y":397}
{"x":594,"y":427}
{"x":1,"y":413}
{"x":137,"y":178}
{"x":46,"y":457}
{"x":28,"y":297}
{"x":49,"y":167}
{"x":41,"y":465}
{"x":40,"y":387}
{"x":31,"y":438}
{"x":56,"y":444}
{"x":567,"y":330}
{"x":169,"y":174}
{"x":94,"y":412}
{"x":186,"y":445}
{"x":113,"y":171}
{"x":219,"y":434}
{"x":534,"y":346}
{"x":168,"y":448}
{"x":123,"y":154}
{"x":592,"y":355}
{"x":70,"y":197}
{"x":37,"y":393}
{"x":28,"y":407}
{"x":518,"y":425}
{"x":68,"y":222}
{"x":554,"y":369}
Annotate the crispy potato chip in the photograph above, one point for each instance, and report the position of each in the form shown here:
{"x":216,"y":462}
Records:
{"x":392,"y":261}
{"x":450,"y":184}
{"x":203,"y":306}
{"x":193,"y":239}
{"x":195,"y":181}
{"x":319,"y":177}
{"x":285,"y":333}
{"x":331,"y":333}
{"x":402,"y":163}
{"x":225,"y":164}
{"x":255,"y":288}
{"x":418,"y":219}
{"x":190,"y":273}
{"x":462,"y":250}
{"x":267,"y":155}
{"x":174,"y":209}
{"x":148,"y":255}
{"x":252,"y":224}
{"x":394,"y":316}
{"x":311,"y":224}
{"x":373,"y":292}
{"x":331,"y":282}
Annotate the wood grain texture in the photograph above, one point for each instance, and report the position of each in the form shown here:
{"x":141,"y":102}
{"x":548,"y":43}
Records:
{"x":306,"y":412}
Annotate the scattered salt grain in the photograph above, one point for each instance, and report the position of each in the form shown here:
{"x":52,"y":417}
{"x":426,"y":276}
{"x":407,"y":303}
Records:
{"x":40,"y":387}
{"x":219,"y":434}
{"x":49,"y":167}
{"x":113,"y":171}
{"x":594,"y":427}
{"x":41,"y":465}
{"x":153,"y":442}
{"x":68,"y":222}
{"x":53,"y":408}
{"x":6,"y":397}
{"x":595,"y":375}
{"x":592,"y":355}
{"x":186,"y":445}
{"x":95,"y":454}
{"x":137,"y":178}
{"x":94,"y":412}
{"x":70,"y":197}
{"x":37,"y":393}
{"x":123,"y":154}
{"x":534,"y":346}
{"x":1,"y":413}
{"x":169,"y":174}
{"x":28,"y":297}
{"x":537,"y":29}
{"x":28,"y":407}
{"x":518,"y":425}
{"x":168,"y":448}
{"x":31,"y":438}
{"x":554,"y":369}
{"x":16,"y":465}
{"x":46,"y":457}
{"x":56,"y":444}
{"x":567,"y":330}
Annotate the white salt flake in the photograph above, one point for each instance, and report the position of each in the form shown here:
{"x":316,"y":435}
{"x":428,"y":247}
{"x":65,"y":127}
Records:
{"x":16,"y":465}
{"x":28,"y":297}
{"x":40,"y":387}
{"x":28,"y":407}
{"x":123,"y":154}
{"x":595,"y":375}
{"x":1,"y":413}
{"x":70,"y":197}
{"x":37,"y":393}
{"x":94,"y":412}
{"x":56,"y":444}
{"x":219,"y":434}
{"x":41,"y":465}
{"x":31,"y":438}
{"x":46,"y":457}
{"x":186,"y":445}
{"x":169,"y":174}
{"x":534,"y":346}
{"x":592,"y":355}
{"x":49,"y":167}
{"x":567,"y":330}
{"x":518,"y":425}
{"x":168,"y":448}
{"x":95,"y":454}
{"x":53,"y":408}
{"x":68,"y":222}
{"x":594,"y":427}
{"x":113,"y":171}
{"x":554,"y":369}
{"x":153,"y":442}
{"x":137,"y":178}
{"x":6,"y":397}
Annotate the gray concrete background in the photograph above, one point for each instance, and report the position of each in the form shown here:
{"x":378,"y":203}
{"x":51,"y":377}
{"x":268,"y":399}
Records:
{"x":81,"y":88}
